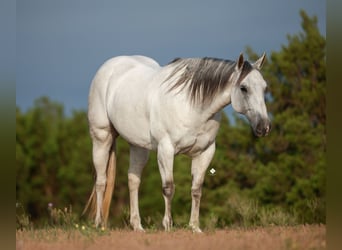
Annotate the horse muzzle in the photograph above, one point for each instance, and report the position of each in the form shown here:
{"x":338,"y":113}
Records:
{"x":262,"y":128}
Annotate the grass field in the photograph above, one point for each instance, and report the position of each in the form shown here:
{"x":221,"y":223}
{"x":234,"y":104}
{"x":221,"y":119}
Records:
{"x":81,"y":237}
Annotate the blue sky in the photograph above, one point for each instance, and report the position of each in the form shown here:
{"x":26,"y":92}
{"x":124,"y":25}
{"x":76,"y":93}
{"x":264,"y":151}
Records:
{"x":60,"y":44}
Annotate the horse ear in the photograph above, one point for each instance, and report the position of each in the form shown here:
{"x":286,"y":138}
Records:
{"x":260,"y":62}
{"x":239,"y":62}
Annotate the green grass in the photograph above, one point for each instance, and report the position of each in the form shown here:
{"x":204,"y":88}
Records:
{"x":248,"y":213}
{"x":241,"y":212}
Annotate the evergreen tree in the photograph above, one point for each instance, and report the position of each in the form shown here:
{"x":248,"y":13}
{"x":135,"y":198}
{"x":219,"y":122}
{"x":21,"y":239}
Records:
{"x":292,"y":159}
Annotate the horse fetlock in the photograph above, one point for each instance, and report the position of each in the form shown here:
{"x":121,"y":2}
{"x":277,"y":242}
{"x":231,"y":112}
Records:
{"x":167,"y":222}
{"x":98,"y":220}
{"x":137,"y":226}
{"x":135,"y":222}
{"x":194,"y":225}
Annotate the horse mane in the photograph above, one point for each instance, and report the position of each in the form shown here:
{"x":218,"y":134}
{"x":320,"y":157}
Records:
{"x":206,"y":77}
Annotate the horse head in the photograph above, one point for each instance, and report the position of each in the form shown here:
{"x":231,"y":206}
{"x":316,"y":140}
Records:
{"x":248,"y":95}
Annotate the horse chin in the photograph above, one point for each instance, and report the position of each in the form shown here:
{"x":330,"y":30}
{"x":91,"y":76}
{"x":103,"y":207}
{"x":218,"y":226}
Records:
{"x":257,"y":133}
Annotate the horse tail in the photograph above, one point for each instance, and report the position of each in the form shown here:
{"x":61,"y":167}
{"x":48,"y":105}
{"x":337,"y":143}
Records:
{"x":108,"y":193}
{"x":111,"y":172}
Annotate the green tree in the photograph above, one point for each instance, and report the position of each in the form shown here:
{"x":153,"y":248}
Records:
{"x":37,"y":155}
{"x":52,"y":158}
{"x":292,"y":159}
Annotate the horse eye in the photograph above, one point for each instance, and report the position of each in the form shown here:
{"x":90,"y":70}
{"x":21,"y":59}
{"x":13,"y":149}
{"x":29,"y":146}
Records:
{"x":243,"y":89}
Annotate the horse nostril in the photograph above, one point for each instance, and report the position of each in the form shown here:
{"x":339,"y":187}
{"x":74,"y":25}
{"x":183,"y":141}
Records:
{"x":267,"y":129}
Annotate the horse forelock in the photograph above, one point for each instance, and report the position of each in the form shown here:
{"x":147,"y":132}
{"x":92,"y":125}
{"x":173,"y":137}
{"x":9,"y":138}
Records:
{"x":205,"y":77}
{"x":246,"y":69}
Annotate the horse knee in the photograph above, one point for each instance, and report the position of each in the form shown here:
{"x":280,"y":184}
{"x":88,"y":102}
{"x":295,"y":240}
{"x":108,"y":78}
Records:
{"x":169,"y":189}
{"x":196,"y":192}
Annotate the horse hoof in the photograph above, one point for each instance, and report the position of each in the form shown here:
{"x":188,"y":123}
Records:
{"x":196,"y":230}
{"x":139,"y":229}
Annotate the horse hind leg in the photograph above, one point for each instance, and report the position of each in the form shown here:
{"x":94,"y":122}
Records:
{"x":102,"y":146}
{"x":138,"y":159}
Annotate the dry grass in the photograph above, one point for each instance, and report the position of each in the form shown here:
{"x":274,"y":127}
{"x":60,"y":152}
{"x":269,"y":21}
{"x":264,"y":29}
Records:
{"x":276,"y":237}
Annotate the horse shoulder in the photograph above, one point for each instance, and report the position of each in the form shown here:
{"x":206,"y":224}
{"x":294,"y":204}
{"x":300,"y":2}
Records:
{"x":190,"y":136}
{"x":205,"y":135}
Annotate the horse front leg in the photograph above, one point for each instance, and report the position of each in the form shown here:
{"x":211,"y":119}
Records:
{"x":165,"y":164}
{"x":138,"y":159}
{"x":199,"y":166}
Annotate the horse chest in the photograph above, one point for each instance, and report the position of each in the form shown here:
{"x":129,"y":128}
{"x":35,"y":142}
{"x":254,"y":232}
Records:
{"x":198,"y":140}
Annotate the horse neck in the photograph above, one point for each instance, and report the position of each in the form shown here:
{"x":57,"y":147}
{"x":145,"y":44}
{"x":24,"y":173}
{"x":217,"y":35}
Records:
{"x":220,"y":101}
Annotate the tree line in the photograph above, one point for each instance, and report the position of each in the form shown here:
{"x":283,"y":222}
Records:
{"x":282,"y":175}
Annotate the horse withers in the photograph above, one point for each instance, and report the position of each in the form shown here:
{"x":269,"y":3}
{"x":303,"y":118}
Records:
{"x":174,"y":109}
